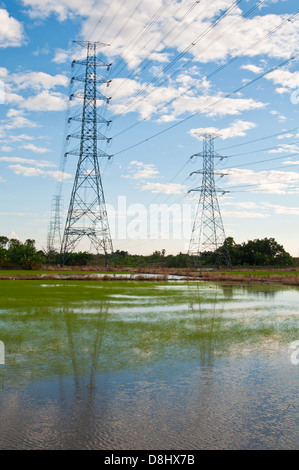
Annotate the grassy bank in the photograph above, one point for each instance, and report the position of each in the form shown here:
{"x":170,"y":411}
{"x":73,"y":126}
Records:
{"x":277,"y":276}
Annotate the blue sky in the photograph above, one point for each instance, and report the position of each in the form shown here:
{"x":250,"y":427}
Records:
{"x":178,"y":69}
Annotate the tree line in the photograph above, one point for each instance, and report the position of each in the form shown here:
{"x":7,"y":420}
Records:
{"x":257,"y":252}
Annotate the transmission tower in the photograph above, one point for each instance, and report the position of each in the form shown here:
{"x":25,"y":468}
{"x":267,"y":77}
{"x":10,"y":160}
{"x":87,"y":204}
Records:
{"x":54,"y":233}
{"x":87,"y":215}
{"x":208,"y":232}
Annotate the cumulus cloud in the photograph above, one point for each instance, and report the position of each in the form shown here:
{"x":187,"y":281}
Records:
{"x":28,"y":161}
{"x":45,"y":101}
{"x":252,"y":68}
{"x":35,"y":149}
{"x":293,"y":148}
{"x":236,"y":129}
{"x":17,"y":120}
{"x":267,"y":181}
{"x":19,"y":169}
{"x":11,"y":30}
{"x":287,"y":80}
{"x":141,"y":171}
{"x":244,"y":214}
{"x":185,"y":94}
{"x":173,"y":26}
{"x":38,"y":80}
{"x":62,"y":8}
{"x":167,"y":188}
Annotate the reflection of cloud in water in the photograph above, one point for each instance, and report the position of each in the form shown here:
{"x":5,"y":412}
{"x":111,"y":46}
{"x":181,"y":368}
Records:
{"x":186,"y":369}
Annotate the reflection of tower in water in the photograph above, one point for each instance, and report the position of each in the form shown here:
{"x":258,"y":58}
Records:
{"x":84,"y":389}
{"x":207,"y":323}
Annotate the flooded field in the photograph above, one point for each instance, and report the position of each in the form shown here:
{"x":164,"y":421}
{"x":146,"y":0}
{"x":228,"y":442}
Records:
{"x":148,"y":365}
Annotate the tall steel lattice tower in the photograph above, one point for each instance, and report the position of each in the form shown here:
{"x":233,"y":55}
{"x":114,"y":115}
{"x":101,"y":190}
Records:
{"x":87,"y":215}
{"x":54,"y":233}
{"x":208,"y":232}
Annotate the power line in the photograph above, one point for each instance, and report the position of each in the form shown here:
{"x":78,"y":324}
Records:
{"x":263,"y":183}
{"x":263,"y":150}
{"x":112,"y":19}
{"x":127,"y":20}
{"x":143,"y":32}
{"x":216,"y":71}
{"x":207,"y":107}
{"x":261,"y":138}
{"x":179,"y":56}
{"x":146,"y":60}
{"x":263,"y":161}
{"x":141,"y":92}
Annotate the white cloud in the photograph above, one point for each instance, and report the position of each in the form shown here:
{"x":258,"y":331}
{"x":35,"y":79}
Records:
{"x":31,"y":171}
{"x":122,"y":25}
{"x":288,"y":80}
{"x":39,"y":80}
{"x":141,"y":171}
{"x":26,"y":171}
{"x":284,"y":209}
{"x":19,"y":138}
{"x":168,"y":188}
{"x":61,"y":56}
{"x":11,"y":30}
{"x":270,"y":182}
{"x":262,"y":207}
{"x":236,"y":129}
{"x":291,"y":162}
{"x":252,"y":68}
{"x":245,"y":214}
{"x":172,"y":101}
{"x":46,"y":101}
{"x":11,"y":113}
{"x":28,"y":161}
{"x":35,"y":149}
{"x":18,"y":214}
{"x":18,"y":121}
{"x":285,"y":136}
{"x":3,"y":72}
{"x":62,"y":8}
{"x":293,"y":148}
{"x":12,"y":98}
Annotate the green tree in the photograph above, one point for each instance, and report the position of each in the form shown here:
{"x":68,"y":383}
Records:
{"x":24,"y":254}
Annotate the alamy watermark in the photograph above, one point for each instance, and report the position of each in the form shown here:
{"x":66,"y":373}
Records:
{"x":2,"y":353}
{"x":294,"y":356}
{"x":153,"y":222}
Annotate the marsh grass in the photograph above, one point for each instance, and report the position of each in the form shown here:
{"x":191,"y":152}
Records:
{"x":127,"y":325}
{"x":238,"y":275}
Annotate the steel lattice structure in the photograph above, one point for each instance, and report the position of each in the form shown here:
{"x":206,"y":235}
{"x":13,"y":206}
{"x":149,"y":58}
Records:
{"x":54,"y":233}
{"x":208,"y":232}
{"x":87,"y":215}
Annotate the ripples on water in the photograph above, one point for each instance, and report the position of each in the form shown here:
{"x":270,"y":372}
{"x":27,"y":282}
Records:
{"x":155,"y":366}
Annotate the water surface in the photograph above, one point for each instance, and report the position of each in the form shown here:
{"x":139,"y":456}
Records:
{"x":147,"y":365}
